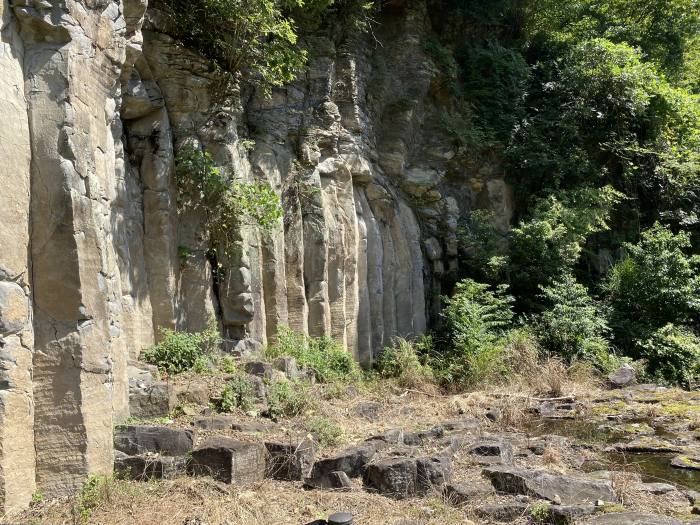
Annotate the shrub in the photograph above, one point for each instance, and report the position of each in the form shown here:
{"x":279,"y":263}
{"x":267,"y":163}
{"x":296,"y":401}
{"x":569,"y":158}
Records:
{"x":405,"y":362}
{"x":573,"y":326}
{"x":181,"y":351}
{"x":95,"y":490}
{"x":227,"y":365}
{"x":238,"y":393}
{"x":328,"y":359}
{"x":326,"y":432}
{"x":672,"y":356}
{"x":225,"y":203}
{"x":476,"y":319}
{"x":656,"y":284}
{"x":287,"y":398}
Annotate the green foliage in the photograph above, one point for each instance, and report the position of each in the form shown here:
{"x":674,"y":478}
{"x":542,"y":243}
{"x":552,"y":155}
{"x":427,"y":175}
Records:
{"x":326,"y":433}
{"x":227,"y":365}
{"x":574,"y":325}
{"x":477,"y":320}
{"x":180,"y":351}
{"x":540,"y":512}
{"x":91,"y":495}
{"x":405,"y":361}
{"x":657,"y":283}
{"x":672,"y":356}
{"x":328,"y":359}
{"x":226,"y":204}
{"x":548,"y":245}
{"x":288,"y":398}
{"x":238,"y":393}
{"x":37,"y":498}
{"x":484,"y":247}
{"x":246,"y":36}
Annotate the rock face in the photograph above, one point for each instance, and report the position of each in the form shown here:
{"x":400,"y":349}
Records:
{"x":94,"y":103}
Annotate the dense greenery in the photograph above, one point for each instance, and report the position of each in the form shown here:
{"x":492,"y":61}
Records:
{"x":257,"y":38}
{"x":179,"y":351}
{"x":593,"y":109}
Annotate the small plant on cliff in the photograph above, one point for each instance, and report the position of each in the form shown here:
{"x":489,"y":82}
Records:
{"x":226,"y":203}
{"x":181,"y":351}
{"x":326,"y":357}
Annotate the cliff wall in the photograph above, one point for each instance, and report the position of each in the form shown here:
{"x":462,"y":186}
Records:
{"x":95,"y":99}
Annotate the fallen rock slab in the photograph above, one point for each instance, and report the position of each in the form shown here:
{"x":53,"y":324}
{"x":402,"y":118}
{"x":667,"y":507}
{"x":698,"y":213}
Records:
{"x":647,"y":444}
{"x":559,"y":488}
{"x":490,"y":451}
{"x":568,"y":514}
{"x":432,"y":473}
{"x":228,"y":460}
{"x":213,"y":422}
{"x":289,"y":461}
{"x":466,"y":493}
{"x":146,"y":467}
{"x":138,"y":439}
{"x":686,"y":462}
{"x":502,"y":511}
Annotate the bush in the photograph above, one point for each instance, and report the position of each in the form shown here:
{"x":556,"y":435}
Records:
{"x":326,"y":432}
{"x":287,"y":398}
{"x":405,"y":362}
{"x":95,"y":490}
{"x":672,"y":356}
{"x":573,"y":326}
{"x":477,"y":320}
{"x":328,"y":359}
{"x":181,"y":351}
{"x":656,"y":284}
{"x":238,"y":393}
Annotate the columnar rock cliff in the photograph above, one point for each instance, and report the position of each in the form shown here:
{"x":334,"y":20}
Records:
{"x":95,"y":99}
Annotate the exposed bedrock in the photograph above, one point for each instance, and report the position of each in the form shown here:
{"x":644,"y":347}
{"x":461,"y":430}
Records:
{"x":95,"y":258}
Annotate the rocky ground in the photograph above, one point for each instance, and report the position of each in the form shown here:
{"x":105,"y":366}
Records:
{"x":391,"y":455}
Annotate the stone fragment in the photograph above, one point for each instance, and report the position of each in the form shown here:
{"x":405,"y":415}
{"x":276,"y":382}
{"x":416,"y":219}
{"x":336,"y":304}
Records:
{"x":467,"y":424}
{"x":213,"y":422}
{"x":352,"y":461}
{"x":655,"y":488}
{"x":566,"y":490}
{"x":145,"y":467}
{"x":138,"y":439}
{"x":246,"y":348}
{"x":623,"y":376}
{"x":259,"y":369}
{"x":289,"y":461}
{"x":393,"y":436}
{"x":340,"y":481}
{"x":507,"y":512}
{"x":631,"y":518}
{"x":394,"y":477}
{"x":193,"y":393}
{"x":228,"y":460}
{"x":569,"y":514}
{"x":493,"y":414}
{"x":466,"y":493}
{"x":418,"y":438}
{"x":432,"y":473}
{"x":151,"y":399}
{"x":14,"y":308}
{"x":252,"y":427}
{"x":492,"y":451}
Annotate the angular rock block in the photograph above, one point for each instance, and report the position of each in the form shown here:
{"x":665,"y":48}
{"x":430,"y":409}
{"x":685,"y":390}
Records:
{"x":351,"y":461}
{"x":569,"y":514}
{"x":259,"y":369}
{"x":418,"y":438}
{"x":145,"y":467}
{"x":289,"y":461}
{"x":394,"y":477}
{"x":432,"y":473}
{"x":567,"y":490}
{"x":502,"y":512}
{"x":490,"y":451}
{"x":138,"y":439}
{"x":631,"y":518}
{"x":340,"y":481}
{"x":466,"y":493}
{"x":151,"y":399}
{"x":229,"y":460}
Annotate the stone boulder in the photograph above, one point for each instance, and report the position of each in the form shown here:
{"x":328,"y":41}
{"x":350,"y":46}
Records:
{"x":491,"y":451}
{"x":214,"y":422}
{"x":352,"y":461}
{"x":394,"y":477}
{"x":421,"y":437}
{"x":148,"y":466}
{"x":559,"y":488}
{"x":623,"y":376}
{"x":289,"y":461}
{"x":151,"y":398}
{"x":432,"y":473}
{"x":229,"y":460}
{"x":503,"y":512}
{"x":139,"y":439}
